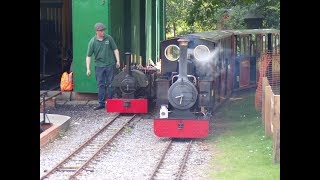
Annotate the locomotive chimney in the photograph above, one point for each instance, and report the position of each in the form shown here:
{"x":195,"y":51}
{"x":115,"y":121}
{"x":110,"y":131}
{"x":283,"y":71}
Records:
{"x":183,"y":45}
{"x":128,"y":63}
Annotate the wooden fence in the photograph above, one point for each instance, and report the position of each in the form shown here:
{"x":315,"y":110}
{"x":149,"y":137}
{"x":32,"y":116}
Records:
{"x":271,"y":117}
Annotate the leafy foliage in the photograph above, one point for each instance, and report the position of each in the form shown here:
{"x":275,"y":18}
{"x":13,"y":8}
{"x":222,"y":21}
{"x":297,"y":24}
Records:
{"x":186,"y":16}
{"x":176,"y":13}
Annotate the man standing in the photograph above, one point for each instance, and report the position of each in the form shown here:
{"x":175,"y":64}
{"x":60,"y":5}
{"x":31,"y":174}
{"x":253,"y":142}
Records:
{"x":105,"y":51}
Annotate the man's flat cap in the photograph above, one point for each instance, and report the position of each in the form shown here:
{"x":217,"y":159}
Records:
{"x":99,"y":27}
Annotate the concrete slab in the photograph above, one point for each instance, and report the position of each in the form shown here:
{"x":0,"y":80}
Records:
{"x":65,"y":95}
{"x":93,"y":102}
{"x":61,"y":102}
{"x":70,"y":95}
{"x":76,"y":103}
{"x":60,"y":123}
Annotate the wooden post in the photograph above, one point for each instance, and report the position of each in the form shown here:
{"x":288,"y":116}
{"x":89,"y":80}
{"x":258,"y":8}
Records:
{"x":264,"y":84}
{"x":271,"y":112}
{"x":276,"y":129}
{"x":267,"y":110}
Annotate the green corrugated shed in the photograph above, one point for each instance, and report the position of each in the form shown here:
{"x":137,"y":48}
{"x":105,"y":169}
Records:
{"x":85,"y":13}
{"x":136,"y":26}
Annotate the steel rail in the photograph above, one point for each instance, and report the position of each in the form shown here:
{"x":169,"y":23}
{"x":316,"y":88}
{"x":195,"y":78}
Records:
{"x":181,"y":165}
{"x":161,"y":160}
{"x":99,"y":150}
{"x":80,"y":148}
{"x":185,"y":157}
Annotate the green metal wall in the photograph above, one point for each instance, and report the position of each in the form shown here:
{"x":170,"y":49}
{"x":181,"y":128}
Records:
{"x":155,"y":29}
{"x":117,"y":25}
{"x":85,"y":13}
{"x":136,"y":26}
{"x":148,"y":31}
{"x":135,"y":30}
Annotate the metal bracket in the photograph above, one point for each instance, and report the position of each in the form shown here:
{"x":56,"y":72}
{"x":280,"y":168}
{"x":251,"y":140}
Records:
{"x":126,"y":103}
{"x":180,"y":125}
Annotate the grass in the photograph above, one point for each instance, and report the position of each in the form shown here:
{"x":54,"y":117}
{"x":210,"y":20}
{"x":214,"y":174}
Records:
{"x":241,"y":150}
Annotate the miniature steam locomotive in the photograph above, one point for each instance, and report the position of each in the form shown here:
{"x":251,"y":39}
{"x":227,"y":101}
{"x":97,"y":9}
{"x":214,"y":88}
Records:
{"x":133,"y":88}
{"x":185,"y":100}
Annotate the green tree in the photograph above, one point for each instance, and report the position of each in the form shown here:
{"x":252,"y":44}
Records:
{"x":176,"y":14}
{"x":185,"y":16}
{"x":270,"y":10}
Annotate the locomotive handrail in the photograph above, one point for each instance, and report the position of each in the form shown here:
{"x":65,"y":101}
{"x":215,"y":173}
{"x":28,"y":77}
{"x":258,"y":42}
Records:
{"x":174,"y":76}
{"x":194,"y":78}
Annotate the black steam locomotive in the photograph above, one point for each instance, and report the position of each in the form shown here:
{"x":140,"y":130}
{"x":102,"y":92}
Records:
{"x":134,"y":89}
{"x":185,"y":99}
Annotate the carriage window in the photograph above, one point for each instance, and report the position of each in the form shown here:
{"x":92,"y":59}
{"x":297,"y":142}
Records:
{"x":246,"y":47}
{"x":264,"y":43}
{"x":201,"y":52}
{"x":274,"y":43}
{"x":237,"y":43}
{"x":242,"y":46}
{"x":258,"y":43}
{"x":278,"y":43}
{"x":172,"y":52}
{"x":253,"y":44}
{"x":228,"y":49}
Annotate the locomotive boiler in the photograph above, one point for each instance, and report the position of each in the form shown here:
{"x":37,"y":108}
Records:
{"x":133,"y":89}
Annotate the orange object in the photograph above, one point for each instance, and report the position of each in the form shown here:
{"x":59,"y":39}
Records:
{"x":66,"y":83}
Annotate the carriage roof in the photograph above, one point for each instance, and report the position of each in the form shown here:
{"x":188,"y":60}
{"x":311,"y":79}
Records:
{"x":220,"y":34}
{"x":212,"y":35}
{"x":256,"y":31}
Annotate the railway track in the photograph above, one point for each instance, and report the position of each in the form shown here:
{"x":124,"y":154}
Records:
{"x":172,"y":161}
{"x":81,"y":159}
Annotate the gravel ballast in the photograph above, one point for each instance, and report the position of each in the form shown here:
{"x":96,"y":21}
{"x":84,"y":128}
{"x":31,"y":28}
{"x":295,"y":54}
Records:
{"x":133,"y":155}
